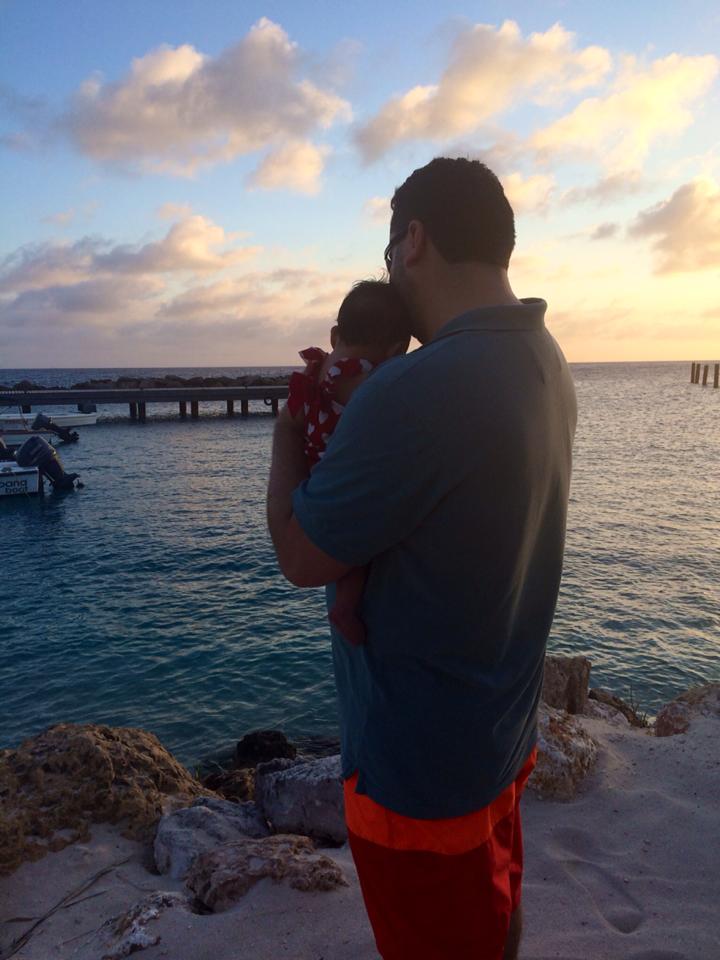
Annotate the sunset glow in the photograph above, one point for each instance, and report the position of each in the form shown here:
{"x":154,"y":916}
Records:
{"x":200,"y":184}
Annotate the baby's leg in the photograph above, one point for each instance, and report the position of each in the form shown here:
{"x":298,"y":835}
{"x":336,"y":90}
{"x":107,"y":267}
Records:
{"x":343,"y":615}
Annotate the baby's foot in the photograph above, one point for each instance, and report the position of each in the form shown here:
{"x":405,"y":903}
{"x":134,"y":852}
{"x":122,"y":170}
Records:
{"x":349,"y":624}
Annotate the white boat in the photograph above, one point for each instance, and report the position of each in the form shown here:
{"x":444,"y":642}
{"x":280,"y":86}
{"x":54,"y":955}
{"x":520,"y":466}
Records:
{"x":24,"y":420}
{"x":16,"y":480}
{"x":14,"y":436}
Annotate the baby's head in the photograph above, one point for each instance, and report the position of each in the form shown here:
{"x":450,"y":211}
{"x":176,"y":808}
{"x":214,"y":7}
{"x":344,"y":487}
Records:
{"x":372,"y":322}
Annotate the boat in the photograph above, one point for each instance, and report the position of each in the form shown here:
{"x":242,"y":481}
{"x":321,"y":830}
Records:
{"x":15,"y":429}
{"x":22,"y":421}
{"x":16,"y":480}
{"x":23,"y":471}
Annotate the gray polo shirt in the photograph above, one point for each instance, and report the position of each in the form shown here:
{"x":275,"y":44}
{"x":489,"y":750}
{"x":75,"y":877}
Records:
{"x":449,"y":475}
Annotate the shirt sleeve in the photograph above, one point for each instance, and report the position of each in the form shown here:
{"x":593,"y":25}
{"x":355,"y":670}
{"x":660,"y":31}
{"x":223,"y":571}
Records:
{"x":377,"y":480}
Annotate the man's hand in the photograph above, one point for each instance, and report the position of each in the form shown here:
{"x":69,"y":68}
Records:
{"x":301,"y":562}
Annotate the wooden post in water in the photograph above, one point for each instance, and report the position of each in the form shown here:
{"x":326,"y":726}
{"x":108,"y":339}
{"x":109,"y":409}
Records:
{"x":274,"y":406}
{"x":141,"y":412}
{"x":692,"y":373}
{"x":697,"y":373}
{"x":182,"y":404}
{"x":705,"y":374}
{"x":133,"y":411}
{"x":194,"y":409}
{"x":230,"y":408}
{"x":244,"y":406}
{"x":716,"y":377}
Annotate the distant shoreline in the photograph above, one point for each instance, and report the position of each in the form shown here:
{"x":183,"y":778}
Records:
{"x":169,"y":380}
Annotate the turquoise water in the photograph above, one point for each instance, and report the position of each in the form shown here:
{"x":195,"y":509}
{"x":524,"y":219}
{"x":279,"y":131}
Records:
{"x":151,"y":597}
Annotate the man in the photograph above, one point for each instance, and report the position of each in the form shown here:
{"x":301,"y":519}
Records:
{"x":449,"y":475}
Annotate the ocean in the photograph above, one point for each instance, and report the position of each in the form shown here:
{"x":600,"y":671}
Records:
{"x":151,"y":597}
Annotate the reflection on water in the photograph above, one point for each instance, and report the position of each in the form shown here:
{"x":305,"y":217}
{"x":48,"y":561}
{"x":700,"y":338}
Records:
{"x":151,"y":597}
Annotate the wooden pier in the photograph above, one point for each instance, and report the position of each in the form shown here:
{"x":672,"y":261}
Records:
{"x":697,"y":368}
{"x":138,"y":398}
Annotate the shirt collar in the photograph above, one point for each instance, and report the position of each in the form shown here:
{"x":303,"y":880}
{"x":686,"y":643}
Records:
{"x":529,"y":314}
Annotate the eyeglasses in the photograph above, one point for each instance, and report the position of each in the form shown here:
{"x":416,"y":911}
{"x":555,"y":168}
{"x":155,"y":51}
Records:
{"x":394,"y":241}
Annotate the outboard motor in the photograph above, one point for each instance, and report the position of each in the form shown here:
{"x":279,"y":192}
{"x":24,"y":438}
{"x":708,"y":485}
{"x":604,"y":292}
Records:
{"x":41,"y":422}
{"x":36,"y":452}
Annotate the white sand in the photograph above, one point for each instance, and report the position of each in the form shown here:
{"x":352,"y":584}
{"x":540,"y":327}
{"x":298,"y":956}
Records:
{"x":629,"y":870}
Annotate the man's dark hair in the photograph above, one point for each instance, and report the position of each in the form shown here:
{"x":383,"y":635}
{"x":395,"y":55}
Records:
{"x":463,"y":207}
{"x":373,"y":313}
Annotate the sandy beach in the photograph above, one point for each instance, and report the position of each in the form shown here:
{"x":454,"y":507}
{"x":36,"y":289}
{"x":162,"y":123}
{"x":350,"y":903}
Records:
{"x":628,"y":870}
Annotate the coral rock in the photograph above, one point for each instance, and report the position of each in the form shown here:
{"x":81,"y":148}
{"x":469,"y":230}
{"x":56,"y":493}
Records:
{"x":122,"y":935}
{"x":220,"y":878}
{"x":208,"y":823}
{"x":261,"y":746}
{"x":565,"y":683}
{"x":677,"y":716}
{"x":72,"y":775}
{"x":303,"y":796}
{"x":566,"y":753}
{"x":232,"y":784}
{"x":605,"y":697}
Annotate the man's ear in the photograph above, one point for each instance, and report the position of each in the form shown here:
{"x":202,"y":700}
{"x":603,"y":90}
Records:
{"x":333,"y":336}
{"x":415,"y":243}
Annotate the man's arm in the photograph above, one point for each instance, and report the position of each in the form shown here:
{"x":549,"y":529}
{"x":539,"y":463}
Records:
{"x":301,"y":562}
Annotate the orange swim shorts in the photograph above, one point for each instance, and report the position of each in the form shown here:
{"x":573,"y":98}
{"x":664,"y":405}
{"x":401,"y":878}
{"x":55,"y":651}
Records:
{"x":439,"y":889}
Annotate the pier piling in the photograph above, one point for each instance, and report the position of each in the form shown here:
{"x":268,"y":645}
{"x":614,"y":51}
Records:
{"x":716,"y":377}
{"x":133,"y":411}
{"x":705,"y":374}
{"x":142,"y":412}
{"x":230,"y":407}
{"x":194,"y":409}
{"x":182,"y":404}
{"x":692,"y":373}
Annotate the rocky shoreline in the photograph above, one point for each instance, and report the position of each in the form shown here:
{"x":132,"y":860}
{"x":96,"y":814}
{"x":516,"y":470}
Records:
{"x":272,"y":813}
{"x":170,"y":380}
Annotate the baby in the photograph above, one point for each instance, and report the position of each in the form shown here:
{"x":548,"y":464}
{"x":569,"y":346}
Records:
{"x":372,"y":325}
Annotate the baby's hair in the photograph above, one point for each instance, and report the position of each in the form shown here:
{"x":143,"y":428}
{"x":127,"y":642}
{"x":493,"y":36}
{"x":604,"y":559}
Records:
{"x":373,"y":313}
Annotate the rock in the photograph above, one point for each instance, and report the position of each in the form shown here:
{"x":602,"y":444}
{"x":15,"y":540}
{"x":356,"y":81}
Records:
{"x":677,"y":716}
{"x":303,"y":796}
{"x":220,"y":878}
{"x":207,"y":824}
{"x":565,"y":683}
{"x":232,"y":784}
{"x":262,"y":745}
{"x":566,"y":753}
{"x":122,"y":935}
{"x":72,"y":775}
{"x":603,"y":711}
{"x":600,"y":696}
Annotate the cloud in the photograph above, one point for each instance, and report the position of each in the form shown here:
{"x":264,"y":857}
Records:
{"x":283,"y":298}
{"x":293,"y":166}
{"x":606,"y":189}
{"x":644,"y":103}
{"x":686,"y":228}
{"x":377,"y":209}
{"x":190,"y":245}
{"x":528,"y":193}
{"x":604,"y":231}
{"x":177,"y":110}
{"x":60,"y":219}
{"x":489,"y":70}
{"x":173,"y":211}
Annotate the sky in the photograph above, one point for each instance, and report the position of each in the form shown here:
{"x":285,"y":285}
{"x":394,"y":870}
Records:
{"x":200,"y":183}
